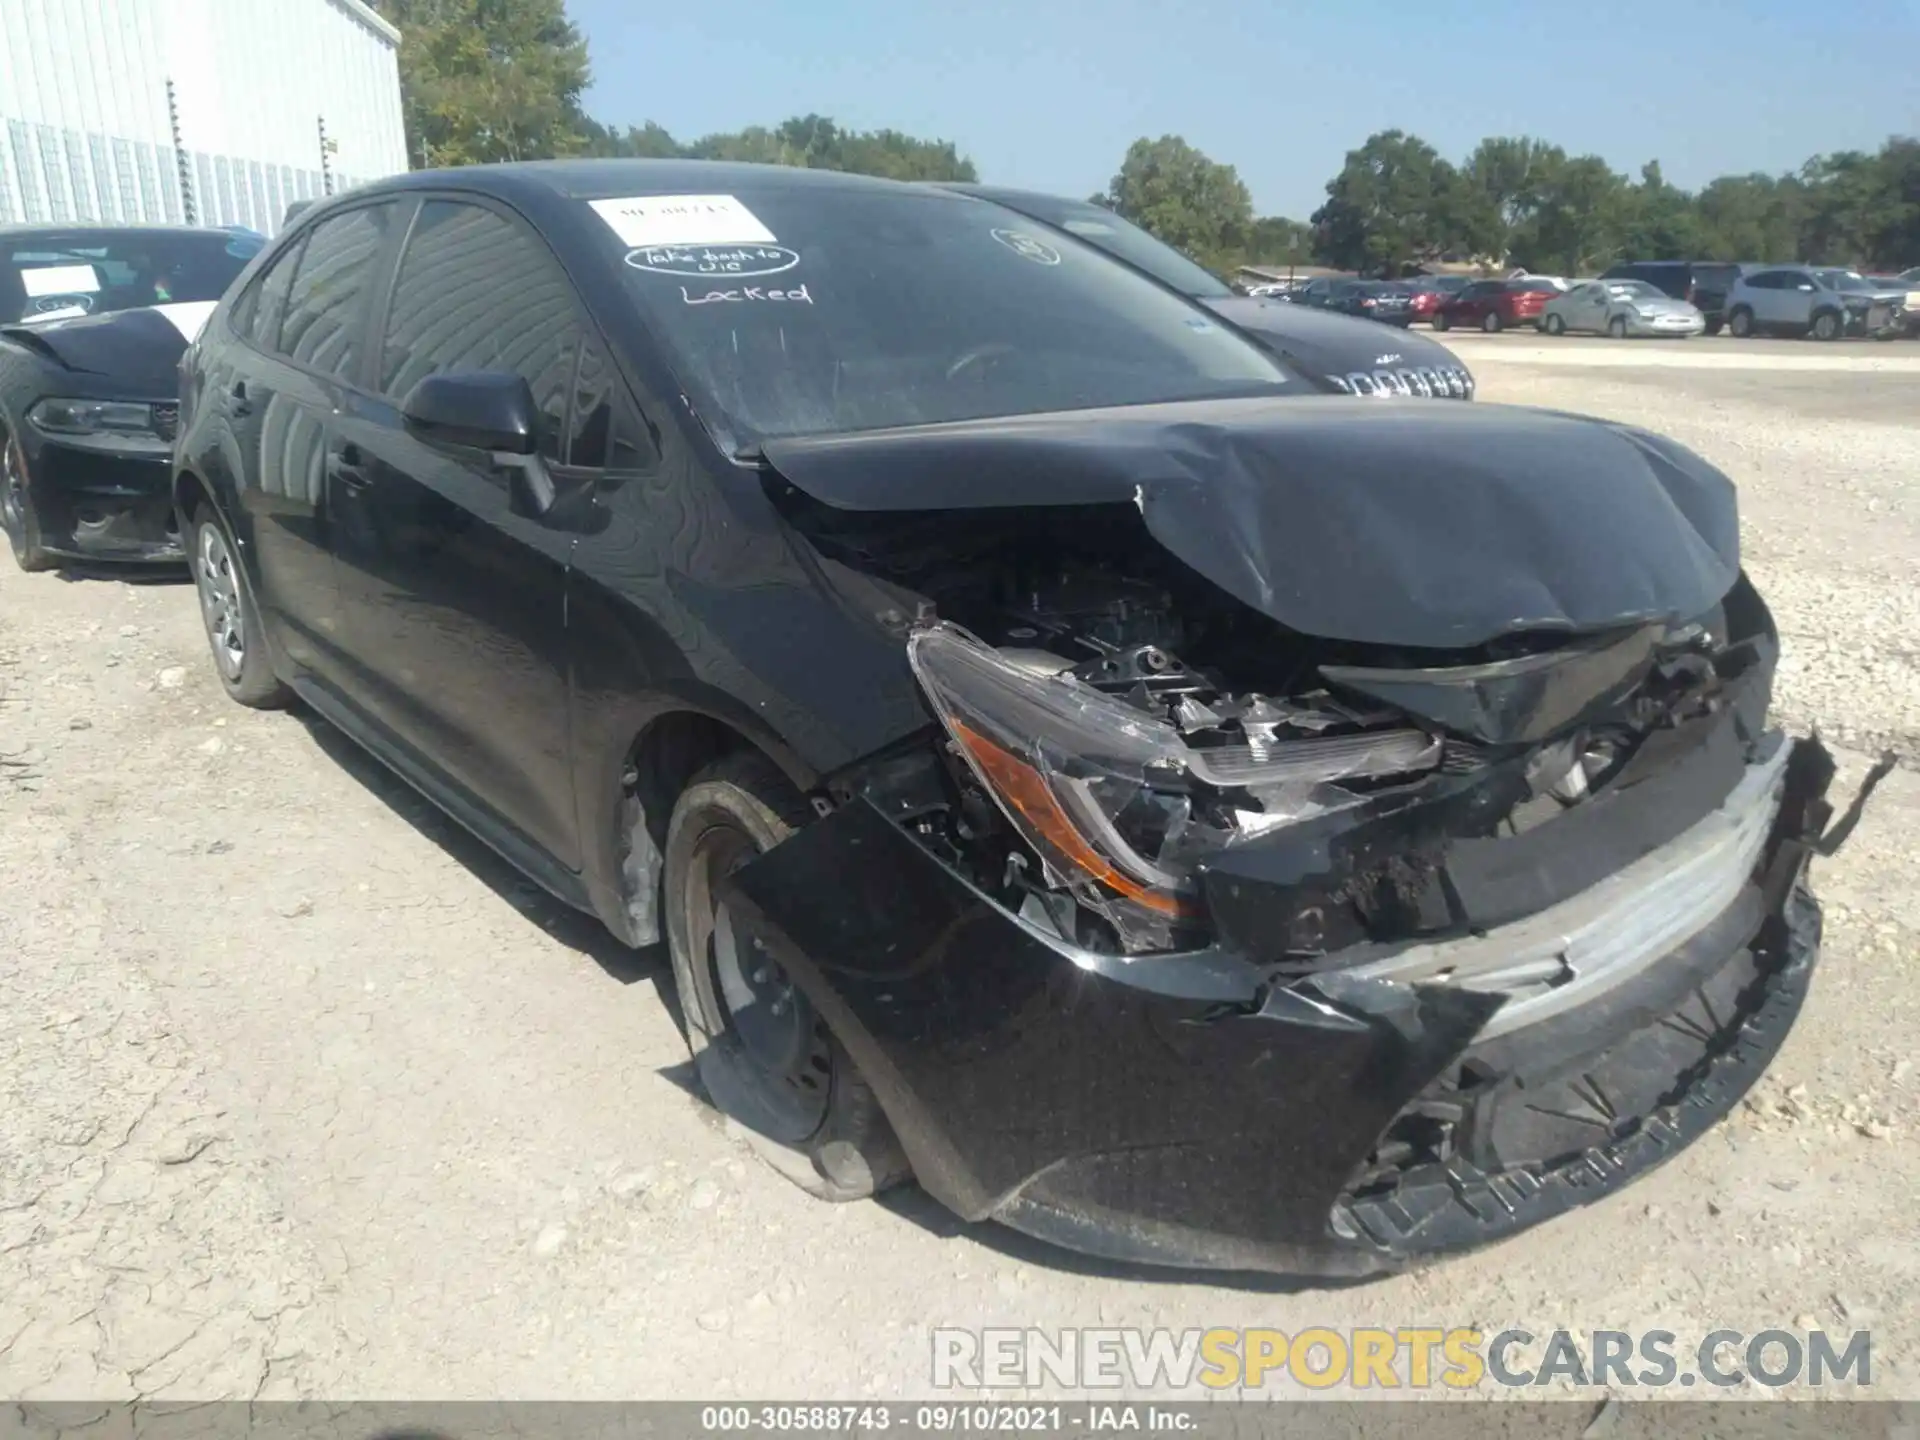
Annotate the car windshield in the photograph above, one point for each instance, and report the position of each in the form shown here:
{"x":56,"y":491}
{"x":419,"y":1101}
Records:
{"x":57,"y":274}
{"x":1845,"y":280}
{"x":1107,"y":231}
{"x":838,"y":308}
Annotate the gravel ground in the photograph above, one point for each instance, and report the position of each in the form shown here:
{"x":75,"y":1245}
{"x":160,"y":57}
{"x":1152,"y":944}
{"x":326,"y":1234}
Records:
{"x":307,"y":1095}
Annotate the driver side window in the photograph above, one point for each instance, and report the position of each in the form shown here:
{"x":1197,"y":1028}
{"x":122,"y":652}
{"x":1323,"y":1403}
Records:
{"x":477,"y":291}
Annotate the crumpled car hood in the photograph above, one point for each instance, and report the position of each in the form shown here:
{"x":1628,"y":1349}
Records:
{"x":142,"y":346}
{"x":1326,"y":340}
{"x":1429,"y":526}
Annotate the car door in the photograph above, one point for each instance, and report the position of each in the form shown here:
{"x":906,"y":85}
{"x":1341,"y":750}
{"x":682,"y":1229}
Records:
{"x":306,"y":333}
{"x":454,"y":597}
{"x":1584,"y":308}
{"x":1759,"y":293}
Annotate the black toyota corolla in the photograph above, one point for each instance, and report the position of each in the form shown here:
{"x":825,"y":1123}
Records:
{"x":1070,"y":762}
{"x":93,"y":321}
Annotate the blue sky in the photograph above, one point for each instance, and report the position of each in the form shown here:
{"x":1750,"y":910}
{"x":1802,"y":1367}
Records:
{"x":1049,"y":93}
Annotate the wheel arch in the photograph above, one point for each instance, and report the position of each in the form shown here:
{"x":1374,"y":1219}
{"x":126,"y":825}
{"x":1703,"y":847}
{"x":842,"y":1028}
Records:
{"x":635,"y":781}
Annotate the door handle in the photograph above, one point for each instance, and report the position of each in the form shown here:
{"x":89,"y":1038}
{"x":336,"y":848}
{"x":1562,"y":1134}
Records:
{"x":238,"y":405}
{"x":344,"y":465}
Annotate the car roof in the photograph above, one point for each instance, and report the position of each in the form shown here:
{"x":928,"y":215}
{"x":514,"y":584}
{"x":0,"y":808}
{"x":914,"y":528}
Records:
{"x":611,"y":179}
{"x":88,"y":227}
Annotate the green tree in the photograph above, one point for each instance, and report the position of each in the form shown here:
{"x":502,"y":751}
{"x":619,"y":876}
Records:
{"x":1395,"y":201}
{"x":1177,"y":193}
{"x":1503,"y":181}
{"x":1661,"y":221}
{"x":816,"y":142}
{"x":1751,"y":217}
{"x":1579,"y":222}
{"x":646,"y":142}
{"x":485,"y":80}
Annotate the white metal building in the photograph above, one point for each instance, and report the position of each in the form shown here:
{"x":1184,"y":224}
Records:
{"x":212,"y":112}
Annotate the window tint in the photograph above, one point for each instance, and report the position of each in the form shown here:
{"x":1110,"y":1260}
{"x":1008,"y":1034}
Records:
{"x":476,"y":291}
{"x":332,"y":281}
{"x":257,"y":314}
{"x":605,"y":434}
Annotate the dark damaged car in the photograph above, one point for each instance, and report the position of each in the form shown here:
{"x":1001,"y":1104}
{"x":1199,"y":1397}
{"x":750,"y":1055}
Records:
{"x":93,"y":321}
{"x":1071,"y":763}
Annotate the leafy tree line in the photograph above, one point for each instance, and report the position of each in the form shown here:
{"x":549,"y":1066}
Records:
{"x":486,"y":80}
{"x":1397,"y":201}
{"x":1519,"y":201}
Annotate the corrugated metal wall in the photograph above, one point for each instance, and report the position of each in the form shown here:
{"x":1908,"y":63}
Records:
{"x":86,"y":132}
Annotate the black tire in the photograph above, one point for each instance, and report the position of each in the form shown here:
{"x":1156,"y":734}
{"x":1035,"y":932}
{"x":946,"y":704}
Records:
{"x":1553,"y":325}
{"x":1740,"y":322}
{"x":782,"y":1075}
{"x":230,"y":615}
{"x":17,"y":515}
{"x":1714,"y":327}
{"x":1826,"y":326}
{"x":1491,"y":324}
{"x":1440,"y":321}
{"x":1617,"y":328}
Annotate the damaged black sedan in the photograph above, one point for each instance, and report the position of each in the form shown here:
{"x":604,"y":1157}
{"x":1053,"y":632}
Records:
{"x":1073,"y":761}
{"x":93,"y":321}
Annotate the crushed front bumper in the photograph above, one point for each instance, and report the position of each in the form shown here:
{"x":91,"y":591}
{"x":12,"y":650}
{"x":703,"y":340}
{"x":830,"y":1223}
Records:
{"x":101,"y":498}
{"x":1215,"y":1110}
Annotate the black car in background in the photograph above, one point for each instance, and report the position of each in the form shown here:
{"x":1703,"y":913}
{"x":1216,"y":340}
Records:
{"x":1180,"y":814}
{"x":1388,"y":301}
{"x":1349,"y":356}
{"x":93,"y":321}
{"x":1701,"y":283}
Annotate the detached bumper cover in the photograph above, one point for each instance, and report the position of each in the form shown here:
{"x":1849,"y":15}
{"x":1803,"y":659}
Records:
{"x":1212,"y":1110}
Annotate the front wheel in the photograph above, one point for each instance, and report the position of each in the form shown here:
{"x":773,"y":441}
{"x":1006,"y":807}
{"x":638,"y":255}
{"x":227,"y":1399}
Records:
{"x":1554,"y":325}
{"x":232,"y":619}
{"x":1492,"y":323}
{"x":765,"y":1057}
{"x":1714,"y":326}
{"x":17,"y":515}
{"x":1440,"y":321}
{"x":1617,"y":327}
{"x":1740,"y":323}
{"x":1826,"y":326}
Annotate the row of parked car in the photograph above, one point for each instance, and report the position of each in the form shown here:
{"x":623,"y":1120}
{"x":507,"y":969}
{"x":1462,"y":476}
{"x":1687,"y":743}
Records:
{"x":1638,"y":298}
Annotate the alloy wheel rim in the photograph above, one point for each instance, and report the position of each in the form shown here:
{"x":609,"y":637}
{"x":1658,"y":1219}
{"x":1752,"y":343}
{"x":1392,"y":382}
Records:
{"x":220,"y":601}
{"x":13,"y":489}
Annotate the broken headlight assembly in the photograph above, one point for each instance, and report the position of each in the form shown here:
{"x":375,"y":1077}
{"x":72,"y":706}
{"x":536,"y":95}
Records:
{"x":1119,"y":804}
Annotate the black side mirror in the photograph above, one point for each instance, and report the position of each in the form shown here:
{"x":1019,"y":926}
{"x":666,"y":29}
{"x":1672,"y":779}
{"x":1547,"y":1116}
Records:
{"x":484,"y":409}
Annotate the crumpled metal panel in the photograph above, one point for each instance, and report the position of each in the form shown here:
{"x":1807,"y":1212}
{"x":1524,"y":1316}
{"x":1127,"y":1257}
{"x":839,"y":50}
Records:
{"x":1432,"y":526}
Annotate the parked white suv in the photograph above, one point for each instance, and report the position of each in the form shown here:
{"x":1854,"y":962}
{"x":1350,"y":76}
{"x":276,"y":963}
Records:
{"x":1822,"y":302}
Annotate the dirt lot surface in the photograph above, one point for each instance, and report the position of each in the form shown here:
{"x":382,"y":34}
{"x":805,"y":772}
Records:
{"x":306,"y":1094}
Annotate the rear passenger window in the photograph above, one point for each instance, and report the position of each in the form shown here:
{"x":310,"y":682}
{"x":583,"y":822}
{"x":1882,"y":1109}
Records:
{"x":258,"y":313}
{"x":477,"y":291}
{"x":332,"y":281}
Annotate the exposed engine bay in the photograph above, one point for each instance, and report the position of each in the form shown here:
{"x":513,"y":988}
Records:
{"x":1118,"y":724}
